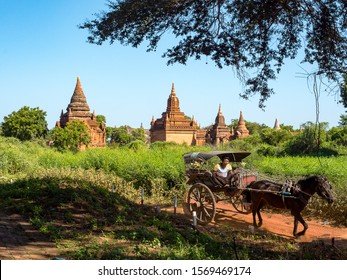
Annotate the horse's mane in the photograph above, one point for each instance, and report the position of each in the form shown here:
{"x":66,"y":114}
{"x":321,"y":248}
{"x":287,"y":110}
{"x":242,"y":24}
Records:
{"x":309,"y":177}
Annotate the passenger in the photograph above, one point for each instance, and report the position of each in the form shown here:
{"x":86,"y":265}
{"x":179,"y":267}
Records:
{"x":223,"y":172}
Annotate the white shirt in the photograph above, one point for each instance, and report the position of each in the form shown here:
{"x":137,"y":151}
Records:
{"x":223,"y":172}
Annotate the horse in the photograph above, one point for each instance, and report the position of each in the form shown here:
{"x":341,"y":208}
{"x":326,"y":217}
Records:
{"x":264,"y":192}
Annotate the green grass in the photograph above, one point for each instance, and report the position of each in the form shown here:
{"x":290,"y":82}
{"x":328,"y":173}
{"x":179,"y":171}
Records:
{"x":68,"y":197}
{"x":88,"y":221}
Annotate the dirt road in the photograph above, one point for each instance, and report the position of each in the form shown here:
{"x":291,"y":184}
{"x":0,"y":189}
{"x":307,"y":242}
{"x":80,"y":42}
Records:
{"x":280,"y":224}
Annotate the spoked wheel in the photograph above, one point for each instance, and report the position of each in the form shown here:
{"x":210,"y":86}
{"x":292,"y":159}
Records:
{"x":237,"y":202}
{"x":202,"y":201}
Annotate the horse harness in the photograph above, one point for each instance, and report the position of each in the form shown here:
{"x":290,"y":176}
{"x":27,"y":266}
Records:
{"x":292,"y":190}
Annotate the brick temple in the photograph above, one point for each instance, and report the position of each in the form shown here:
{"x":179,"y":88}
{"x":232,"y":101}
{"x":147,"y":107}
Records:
{"x":175,"y":126}
{"x":78,"y":109}
{"x":241,"y":130}
{"x":219,"y":133}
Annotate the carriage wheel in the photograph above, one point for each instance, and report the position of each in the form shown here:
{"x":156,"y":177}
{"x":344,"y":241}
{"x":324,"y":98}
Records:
{"x":202,"y":200}
{"x":237,"y":202}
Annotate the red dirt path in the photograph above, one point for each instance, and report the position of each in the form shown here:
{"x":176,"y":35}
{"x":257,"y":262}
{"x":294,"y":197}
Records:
{"x":279,"y":224}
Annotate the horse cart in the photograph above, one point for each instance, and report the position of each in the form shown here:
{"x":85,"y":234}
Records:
{"x":245,"y":192}
{"x":204,"y":192}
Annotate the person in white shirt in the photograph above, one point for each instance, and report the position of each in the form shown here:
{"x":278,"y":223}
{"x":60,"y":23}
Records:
{"x":223,"y":172}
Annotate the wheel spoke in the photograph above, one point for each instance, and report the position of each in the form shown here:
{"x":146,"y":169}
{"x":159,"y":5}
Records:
{"x":201,"y":199}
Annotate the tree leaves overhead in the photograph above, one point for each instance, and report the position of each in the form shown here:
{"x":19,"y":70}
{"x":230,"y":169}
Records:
{"x":252,"y":36}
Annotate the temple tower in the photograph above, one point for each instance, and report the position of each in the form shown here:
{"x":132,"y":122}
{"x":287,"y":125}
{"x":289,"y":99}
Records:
{"x":78,"y":109}
{"x":220,"y":132}
{"x":175,"y":126}
{"x":241,"y":131}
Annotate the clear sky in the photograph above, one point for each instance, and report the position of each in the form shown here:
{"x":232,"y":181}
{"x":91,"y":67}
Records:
{"x":42,"y":51}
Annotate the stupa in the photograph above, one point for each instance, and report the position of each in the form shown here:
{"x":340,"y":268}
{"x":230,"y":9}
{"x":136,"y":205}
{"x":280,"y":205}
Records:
{"x":78,"y":109}
{"x":241,"y":131}
{"x":277,"y":125}
{"x":220,"y":132}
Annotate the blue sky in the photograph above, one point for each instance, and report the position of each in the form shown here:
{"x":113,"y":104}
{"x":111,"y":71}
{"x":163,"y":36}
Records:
{"x":42,"y":51}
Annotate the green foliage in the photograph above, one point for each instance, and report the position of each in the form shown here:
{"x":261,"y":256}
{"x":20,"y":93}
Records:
{"x":343,"y":90}
{"x":338,"y":135}
{"x":101,"y":119}
{"x":72,"y":136}
{"x":343,"y":119}
{"x":137,"y":145}
{"x":274,"y":137}
{"x":25,"y":124}
{"x":123,"y":135}
{"x":310,"y":140}
{"x":158,"y":169}
{"x":245,"y":144}
{"x":19,"y":158}
{"x":247,"y":35}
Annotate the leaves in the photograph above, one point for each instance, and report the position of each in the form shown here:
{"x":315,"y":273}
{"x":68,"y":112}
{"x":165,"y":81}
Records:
{"x":72,"y":136}
{"x":254,"y":36}
{"x":25,"y":124}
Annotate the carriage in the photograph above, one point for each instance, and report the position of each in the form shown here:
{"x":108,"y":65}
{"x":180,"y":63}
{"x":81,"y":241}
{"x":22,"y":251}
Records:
{"x":245,"y":192}
{"x":204,"y":192}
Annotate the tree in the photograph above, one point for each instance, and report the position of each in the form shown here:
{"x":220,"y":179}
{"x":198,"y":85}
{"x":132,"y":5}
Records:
{"x":274,"y":137}
{"x":310,"y":140}
{"x":25,"y":124}
{"x":343,"y":90}
{"x":124,"y":135}
{"x":338,"y":135}
{"x":249,"y":35}
{"x":139,"y":134}
{"x":72,"y":136}
{"x":343,"y":120}
{"x":101,"y":119}
{"x":121,"y":135}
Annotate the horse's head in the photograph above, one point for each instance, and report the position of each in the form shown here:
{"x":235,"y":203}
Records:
{"x":323,"y":189}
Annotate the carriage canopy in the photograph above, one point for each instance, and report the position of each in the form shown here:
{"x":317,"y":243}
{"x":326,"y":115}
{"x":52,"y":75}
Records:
{"x":203,"y":156}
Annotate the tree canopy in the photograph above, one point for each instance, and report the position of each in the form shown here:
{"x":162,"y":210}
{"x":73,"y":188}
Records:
{"x":25,"y":124}
{"x":252,"y":36}
{"x":72,"y":137}
{"x":124,"y":134}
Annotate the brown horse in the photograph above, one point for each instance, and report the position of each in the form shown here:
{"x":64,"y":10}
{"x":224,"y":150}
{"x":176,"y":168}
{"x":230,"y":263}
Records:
{"x":261,"y":193}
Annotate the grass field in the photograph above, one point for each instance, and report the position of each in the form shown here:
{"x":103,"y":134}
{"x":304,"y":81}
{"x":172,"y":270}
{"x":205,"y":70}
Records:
{"x":69,"y":197}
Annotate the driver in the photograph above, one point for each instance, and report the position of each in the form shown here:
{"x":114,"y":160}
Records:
{"x":223,"y":172}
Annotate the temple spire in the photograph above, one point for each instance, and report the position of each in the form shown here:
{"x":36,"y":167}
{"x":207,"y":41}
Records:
{"x":277,"y":126}
{"x":173,"y":104}
{"x":78,"y":102}
{"x":173,"y":92}
{"x":241,"y":119}
{"x":220,"y":120}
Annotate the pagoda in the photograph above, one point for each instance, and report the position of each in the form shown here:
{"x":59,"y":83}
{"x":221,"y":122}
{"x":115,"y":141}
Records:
{"x":78,"y":109}
{"x":175,"y":126}
{"x":277,"y":125}
{"x":220,"y":132}
{"x":241,"y":131}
